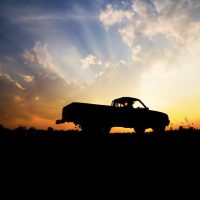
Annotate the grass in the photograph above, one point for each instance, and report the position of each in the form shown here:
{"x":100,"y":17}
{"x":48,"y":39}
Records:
{"x":23,"y":135}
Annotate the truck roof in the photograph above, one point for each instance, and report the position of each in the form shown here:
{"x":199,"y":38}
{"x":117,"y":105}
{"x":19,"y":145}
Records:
{"x":125,"y":99}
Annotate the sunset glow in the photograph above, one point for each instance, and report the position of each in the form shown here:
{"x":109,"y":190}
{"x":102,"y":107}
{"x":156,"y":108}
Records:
{"x":53,"y":53}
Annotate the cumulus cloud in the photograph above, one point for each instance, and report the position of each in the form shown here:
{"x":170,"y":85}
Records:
{"x":28,"y":56}
{"x":88,"y":61}
{"x":131,"y":22}
{"x":135,"y":52}
{"x":149,"y":20}
{"x":111,"y":64}
{"x":27,"y":78}
{"x":111,"y":16}
{"x":47,"y":80}
{"x":164,"y":43}
{"x":92,"y":60}
{"x":128,"y":34}
{"x":39,"y":54}
{"x":99,"y":74}
{"x":100,"y":67}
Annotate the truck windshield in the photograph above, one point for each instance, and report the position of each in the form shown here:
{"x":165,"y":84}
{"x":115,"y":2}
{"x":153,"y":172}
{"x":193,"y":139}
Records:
{"x":128,"y":104}
{"x":138,"y":104}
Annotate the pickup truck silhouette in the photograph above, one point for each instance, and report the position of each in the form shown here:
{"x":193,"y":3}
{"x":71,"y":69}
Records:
{"x":125,"y":112}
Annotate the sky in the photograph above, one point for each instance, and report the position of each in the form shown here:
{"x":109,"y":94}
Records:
{"x":54,"y":52}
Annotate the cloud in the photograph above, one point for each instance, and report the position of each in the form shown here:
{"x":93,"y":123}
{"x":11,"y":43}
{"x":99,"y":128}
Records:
{"x":37,"y":98}
{"x":9,"y":58}
{"x":91,"y":60}
{"x":28,"y":56}
{"x":48,"y":82}
{"x":88,"y":61}
{"x":47,"y":89}
{"x":115,"y":79}
{"x":18,"y":99}
{"x":128,"y":34}
{"x":150,"y":20}
{"x":11,"y":101}
{"x":39,"y":54}
{"x":99,"y":67}
{"x":111,"y":64}
{"x":8,"y":80}
{"x":111,"y":84}
{"x":99,"y":74}
{"x":43,"y":62}
{"x":111,"y":16}
{"x":135,"y":52}
{"x":43,"y":98}
{"x":131,"y":21}
{"x":164,"y":43}
{"x":27,"y":78}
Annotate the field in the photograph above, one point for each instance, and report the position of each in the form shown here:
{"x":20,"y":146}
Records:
{"x":23,"y":135}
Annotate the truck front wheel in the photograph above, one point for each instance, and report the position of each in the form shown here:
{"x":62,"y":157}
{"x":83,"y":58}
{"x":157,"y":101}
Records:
{"x":159,"y":129}
{"x":139,"y":130}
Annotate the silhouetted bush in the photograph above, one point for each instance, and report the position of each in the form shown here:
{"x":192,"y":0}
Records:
{"x":31,"y":131}
{"x":50,"y":130}
{"x":21,"y":130}
{"x":25,"y":135}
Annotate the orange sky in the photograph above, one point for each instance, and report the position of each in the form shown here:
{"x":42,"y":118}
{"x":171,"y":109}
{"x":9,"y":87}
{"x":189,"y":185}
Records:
{"x":55,"y":53}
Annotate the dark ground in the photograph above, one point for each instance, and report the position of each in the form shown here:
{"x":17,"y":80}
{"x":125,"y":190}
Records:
{"x":23,"y":135}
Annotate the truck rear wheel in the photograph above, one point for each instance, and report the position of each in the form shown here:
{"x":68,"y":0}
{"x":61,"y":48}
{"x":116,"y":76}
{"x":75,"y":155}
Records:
{"x":94,"y":130}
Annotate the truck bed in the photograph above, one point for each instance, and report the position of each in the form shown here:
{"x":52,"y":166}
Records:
{"x":78,"y":111}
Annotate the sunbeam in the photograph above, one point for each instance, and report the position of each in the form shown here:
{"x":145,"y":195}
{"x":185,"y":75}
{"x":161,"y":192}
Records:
{"x":53,"y":53}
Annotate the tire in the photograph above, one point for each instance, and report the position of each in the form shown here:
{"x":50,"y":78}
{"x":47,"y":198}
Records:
{"x":101,"y":130}
{"x":106,"y":131}
{"x":139,"y":130}
{"x":84,"y":128}
{"x":94,"y":130}
{"x":159,"y":129}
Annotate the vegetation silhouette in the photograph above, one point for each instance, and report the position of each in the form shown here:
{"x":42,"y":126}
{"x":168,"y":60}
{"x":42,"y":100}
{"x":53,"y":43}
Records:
{"x":27,"y":136}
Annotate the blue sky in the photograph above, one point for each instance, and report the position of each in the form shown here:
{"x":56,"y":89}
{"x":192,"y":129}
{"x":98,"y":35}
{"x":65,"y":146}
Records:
{"x":55,"y":52}
{"x":60,"y":24}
